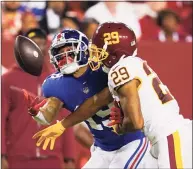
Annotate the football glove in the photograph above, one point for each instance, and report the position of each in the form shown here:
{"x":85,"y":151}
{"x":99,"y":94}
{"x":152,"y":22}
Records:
{"x":49,"y":135}
{"x":34,"y":103}
{"x":115,"y":118}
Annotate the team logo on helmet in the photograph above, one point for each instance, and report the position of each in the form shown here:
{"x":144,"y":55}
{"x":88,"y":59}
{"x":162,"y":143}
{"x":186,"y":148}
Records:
{"x":60,"y":36}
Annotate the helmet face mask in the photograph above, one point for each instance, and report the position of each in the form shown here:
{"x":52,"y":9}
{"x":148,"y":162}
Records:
{"x":96,"y":56}
{"x":66,"y":53}
{"x":69,"y":51}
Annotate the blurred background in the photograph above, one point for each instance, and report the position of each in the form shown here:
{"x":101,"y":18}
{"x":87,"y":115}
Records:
{"x":164,"y":33}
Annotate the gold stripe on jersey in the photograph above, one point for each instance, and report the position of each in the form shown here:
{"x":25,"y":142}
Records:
{"x":178,"y":153}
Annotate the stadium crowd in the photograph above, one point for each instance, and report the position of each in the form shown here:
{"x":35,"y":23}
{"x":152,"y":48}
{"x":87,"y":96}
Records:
{"x":150,"y":20}
{"x":157,"y":21}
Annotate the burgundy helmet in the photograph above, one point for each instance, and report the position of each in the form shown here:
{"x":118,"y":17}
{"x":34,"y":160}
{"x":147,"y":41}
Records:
{"x":110,"y":42}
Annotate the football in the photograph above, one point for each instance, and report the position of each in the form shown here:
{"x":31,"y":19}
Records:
{"x":28,"y":55}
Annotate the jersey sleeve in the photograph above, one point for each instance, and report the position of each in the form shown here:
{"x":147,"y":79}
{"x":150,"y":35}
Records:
{"x":124,"y":71}
{"x":46,"y":86}
{"x":51,"y":88}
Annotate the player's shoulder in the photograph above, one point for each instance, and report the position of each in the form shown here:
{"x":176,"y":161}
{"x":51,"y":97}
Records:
{"x":130,"y":60}
{"x":52,"y":79}
{"x":54,"y":76}
{"x":52,"y":85}
{"x":127,"y":63}
{"x":127,"y":69}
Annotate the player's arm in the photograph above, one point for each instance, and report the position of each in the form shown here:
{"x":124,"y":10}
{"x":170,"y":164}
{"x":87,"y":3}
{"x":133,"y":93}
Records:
{"x":130,"y":105}
{"x":83,"y":135}
{"x":88,"y":108}
{"x":46,"y":111}
{"x":42,"y":110}
{"x":85,"y":111}
{"x":51,"y":108}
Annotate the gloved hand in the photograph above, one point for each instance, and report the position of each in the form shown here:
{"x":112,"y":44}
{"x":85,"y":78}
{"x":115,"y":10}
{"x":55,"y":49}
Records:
{"x":116,"y":118}
{"x":33,"y":102}
{"x":49,"y":134}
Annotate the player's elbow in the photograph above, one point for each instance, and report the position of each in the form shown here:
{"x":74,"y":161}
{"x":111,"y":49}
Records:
{"x":138,"y":124}
{"x":135,"y":124}
{"x":137,"y":120}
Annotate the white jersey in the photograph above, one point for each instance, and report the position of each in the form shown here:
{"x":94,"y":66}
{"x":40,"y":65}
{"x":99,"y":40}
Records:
{"x":159,"y":108}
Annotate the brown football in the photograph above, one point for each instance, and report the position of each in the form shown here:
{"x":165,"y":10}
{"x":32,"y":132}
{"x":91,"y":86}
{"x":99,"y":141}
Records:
{"x":28,"y":55}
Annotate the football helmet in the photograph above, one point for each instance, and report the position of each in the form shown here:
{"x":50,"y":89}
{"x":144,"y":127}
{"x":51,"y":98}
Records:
{"x":111,"y":42}
{"x":69,"y":51}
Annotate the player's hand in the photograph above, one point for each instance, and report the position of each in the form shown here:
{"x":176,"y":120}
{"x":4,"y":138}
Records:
{"x":115,"y":118}
{"x":33,"y":102}
{"x":49,"y":134}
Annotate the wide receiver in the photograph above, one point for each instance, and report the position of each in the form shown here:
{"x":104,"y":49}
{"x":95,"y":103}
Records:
{"x":76,"y":85}
{"x":144,"y":100}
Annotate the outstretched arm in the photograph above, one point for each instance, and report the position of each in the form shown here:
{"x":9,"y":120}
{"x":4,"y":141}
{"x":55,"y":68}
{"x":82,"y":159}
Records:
{"x":88,"y":108}
{"x":50,"y":108}
{"x":42,"y":110}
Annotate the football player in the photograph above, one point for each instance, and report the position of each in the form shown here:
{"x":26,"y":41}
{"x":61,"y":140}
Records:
{"x":75,"y":84}
{"x":145,"y":101}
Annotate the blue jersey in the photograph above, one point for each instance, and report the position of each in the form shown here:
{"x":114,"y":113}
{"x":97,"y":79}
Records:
{"x":74,"y":91}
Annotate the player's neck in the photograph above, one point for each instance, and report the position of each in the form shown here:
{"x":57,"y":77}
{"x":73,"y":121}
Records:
{"x":80,"y":72}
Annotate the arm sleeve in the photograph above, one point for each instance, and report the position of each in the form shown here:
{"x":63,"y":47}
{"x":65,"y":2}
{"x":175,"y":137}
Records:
{"x":50,"y":89}
{"x":46,"y":88}
{"x":124,"y":71}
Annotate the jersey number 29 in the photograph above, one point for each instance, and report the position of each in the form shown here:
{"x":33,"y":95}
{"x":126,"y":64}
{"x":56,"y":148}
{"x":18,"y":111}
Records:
{"x":161,"y":90}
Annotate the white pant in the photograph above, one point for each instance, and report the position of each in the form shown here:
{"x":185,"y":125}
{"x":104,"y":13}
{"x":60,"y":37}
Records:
{"x":175,"y":150}
{"x":135,"y":154}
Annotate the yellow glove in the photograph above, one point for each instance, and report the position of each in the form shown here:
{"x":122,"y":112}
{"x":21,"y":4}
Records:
{"x":49,"y":134}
